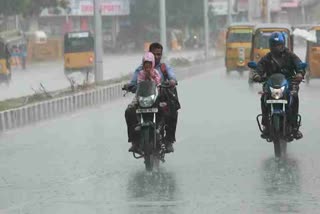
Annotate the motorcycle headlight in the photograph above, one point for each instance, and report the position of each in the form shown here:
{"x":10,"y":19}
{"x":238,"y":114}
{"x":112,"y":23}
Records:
{"x":147,"y":101}
{"x":277,"y":93}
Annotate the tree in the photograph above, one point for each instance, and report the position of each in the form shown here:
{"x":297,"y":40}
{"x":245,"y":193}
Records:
{"x":34,"y":7}
{"x":184,"y":13}
{"x":144,"y":16}
{"x":12,"y":7}
{"x":145,"y":12}
{"x":28,"y":7}
{"x":179,"y":12}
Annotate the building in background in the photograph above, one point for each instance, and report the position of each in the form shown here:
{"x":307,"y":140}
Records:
{"x":219,"y":9}
{"x":79,"y":16}
{"x":293,"y":10}
{"x":301,"y":11}
{"x":282,"y":11}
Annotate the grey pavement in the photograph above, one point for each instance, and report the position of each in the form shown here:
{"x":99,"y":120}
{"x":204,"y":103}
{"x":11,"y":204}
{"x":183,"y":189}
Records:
{"x":80,"y":164}
{"x":51,"y":74}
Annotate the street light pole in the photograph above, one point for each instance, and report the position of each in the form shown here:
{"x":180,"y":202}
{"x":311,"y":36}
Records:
{"x":250,"y":10}
{"x":17,"y":22}
{"x":229,"y":12}
{"x":98,"y":42}
{"x":163,"y":27}
{"x":303,"y":12}
{"x":269,"y":11}
{"x":206,"y":28}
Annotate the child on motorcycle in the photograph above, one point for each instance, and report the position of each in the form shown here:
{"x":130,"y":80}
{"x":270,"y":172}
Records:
{"x":147,"y":73}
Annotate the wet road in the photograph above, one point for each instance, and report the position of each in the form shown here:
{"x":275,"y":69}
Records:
{"x":79,"y":164}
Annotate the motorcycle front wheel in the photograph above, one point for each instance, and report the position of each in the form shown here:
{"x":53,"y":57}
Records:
{"x":151,"y":159}
{"x":280,"y":145}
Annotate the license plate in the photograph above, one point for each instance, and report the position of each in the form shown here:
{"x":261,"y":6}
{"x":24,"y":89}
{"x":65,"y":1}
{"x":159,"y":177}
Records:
{"x":147,"y":110}
{"x":277,"y":101}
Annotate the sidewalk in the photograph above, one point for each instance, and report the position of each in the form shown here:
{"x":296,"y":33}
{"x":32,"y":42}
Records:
{"x":51,"y":74}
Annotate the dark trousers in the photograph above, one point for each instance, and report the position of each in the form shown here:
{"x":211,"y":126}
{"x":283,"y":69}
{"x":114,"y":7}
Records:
{"x":131,"y":120}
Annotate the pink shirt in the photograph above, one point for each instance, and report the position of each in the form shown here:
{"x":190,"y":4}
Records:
{"x":155,"y":76}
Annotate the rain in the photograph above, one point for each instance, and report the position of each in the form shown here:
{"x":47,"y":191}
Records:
{"x":77,"y":161}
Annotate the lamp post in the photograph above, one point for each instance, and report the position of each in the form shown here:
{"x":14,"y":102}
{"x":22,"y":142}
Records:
{"x":229,"y":12}
{"x":163,"y":27}
{"x":206,"y":28}
{"x":98,"y":41}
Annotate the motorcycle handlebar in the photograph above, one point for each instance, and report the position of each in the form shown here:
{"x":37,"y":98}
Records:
{"x":133,"y":88}
{"x":165,"y":86}
{"x":129,"y":88}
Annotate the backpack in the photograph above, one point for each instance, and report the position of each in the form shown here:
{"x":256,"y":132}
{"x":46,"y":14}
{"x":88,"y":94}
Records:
{"x":171,"y":94}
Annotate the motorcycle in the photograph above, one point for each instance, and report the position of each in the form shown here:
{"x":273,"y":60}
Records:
{"x":151,"y":127}
{"x":193,"y":42}
{"x":278,"y":99}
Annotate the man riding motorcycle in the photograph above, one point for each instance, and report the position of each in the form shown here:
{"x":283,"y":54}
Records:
{"x":280,"y":60}
{"x":167,"y":74}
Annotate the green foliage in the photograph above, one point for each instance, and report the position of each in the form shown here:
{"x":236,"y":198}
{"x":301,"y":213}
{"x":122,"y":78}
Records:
{"x":144,"y":16}
{"x":35,"y":6}
{"x":13,"y":7}
{"x":180,"y":62}
{"x":184,"y":12}
{"x":178,"y":12}
{"x":145,"y":12}
{"x":28,"y":7}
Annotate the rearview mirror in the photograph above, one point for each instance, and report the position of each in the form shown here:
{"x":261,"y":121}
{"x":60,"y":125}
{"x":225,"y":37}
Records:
{"x":302,"y":66}
{"x":252,"y":64}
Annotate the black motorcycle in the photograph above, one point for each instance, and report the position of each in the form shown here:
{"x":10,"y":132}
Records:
{"x":151,"y":127}
{"x":278,"y":100}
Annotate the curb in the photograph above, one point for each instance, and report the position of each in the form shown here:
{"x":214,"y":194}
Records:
{"x":30,"y":114}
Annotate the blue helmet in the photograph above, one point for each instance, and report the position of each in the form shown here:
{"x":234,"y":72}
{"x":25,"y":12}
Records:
{"x":276,"y":38}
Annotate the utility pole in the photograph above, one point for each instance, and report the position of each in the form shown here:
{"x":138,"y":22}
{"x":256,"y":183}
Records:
{"x":206,"y":28}
{"x":250,"y":10}
{"x":229,"y":12}
{"x":17,"y":22}
{"x":269,"y":11}
{"x":303,"y":13}
{"x":163,"y":27}
{"x":98,"y":42}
